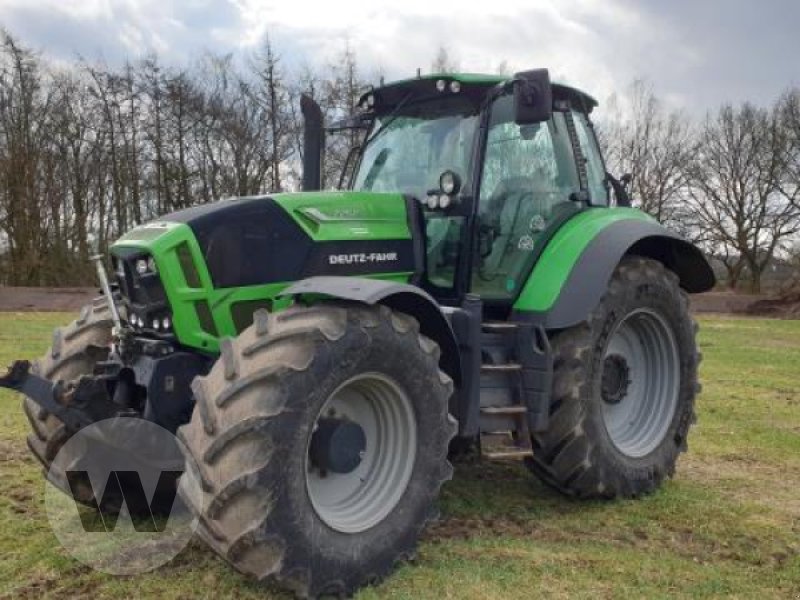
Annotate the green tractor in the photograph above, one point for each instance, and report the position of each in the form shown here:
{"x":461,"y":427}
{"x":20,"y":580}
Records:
{"x":481,"y":284}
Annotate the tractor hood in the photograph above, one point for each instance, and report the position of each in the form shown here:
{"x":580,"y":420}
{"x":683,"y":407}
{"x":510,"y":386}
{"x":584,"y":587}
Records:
{"x":217,"y":263}
{"x":285,"y":237}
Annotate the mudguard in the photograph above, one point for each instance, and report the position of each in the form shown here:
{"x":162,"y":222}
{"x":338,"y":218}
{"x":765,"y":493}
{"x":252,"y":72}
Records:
{"x":573,"y":271}
{"x":397,"y":296}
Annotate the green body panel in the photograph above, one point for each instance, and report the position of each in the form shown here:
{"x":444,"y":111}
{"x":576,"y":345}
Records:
{"x":324,"y":216}
{"x":553,"y":267}
{"x":329,"y":216}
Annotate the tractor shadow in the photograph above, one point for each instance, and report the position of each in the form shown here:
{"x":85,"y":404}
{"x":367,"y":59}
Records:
{"x":505,"y":498}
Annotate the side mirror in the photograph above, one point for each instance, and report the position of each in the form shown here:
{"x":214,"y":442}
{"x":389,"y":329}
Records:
{"x":620,"y":187}
{"x":533,"y":97}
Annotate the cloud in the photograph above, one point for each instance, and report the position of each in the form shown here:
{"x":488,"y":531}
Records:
{"x":696,"y":54}
{"x":119,"y":29}
{"x":398,"y":38}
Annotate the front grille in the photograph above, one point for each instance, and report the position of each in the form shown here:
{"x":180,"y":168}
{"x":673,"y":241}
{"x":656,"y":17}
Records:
{"x":142,"y":295}
{"x":140,"y":289}
{"x":205,"y":317}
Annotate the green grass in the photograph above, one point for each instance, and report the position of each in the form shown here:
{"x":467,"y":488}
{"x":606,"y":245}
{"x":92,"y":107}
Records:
{"x":727,"y":525}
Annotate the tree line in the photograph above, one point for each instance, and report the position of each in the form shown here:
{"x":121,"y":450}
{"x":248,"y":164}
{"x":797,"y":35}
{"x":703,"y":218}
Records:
{"x":89,"y":150}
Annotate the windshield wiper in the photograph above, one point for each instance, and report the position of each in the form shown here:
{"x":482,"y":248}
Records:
{"x":391,"y":117}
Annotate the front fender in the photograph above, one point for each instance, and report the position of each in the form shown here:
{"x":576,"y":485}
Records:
{"x":401,"y":297}
{"x":574,"y":270}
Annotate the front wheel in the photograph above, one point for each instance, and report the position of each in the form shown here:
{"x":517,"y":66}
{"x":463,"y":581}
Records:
{"x":321,"y":437}
{"x":624,"y":387}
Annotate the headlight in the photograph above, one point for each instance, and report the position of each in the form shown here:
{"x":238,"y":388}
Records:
{"x":166,"y":323}
{"x":455,"y":87}
{"x":432,"y":201}
{"x":441,"y":85}
{"x":141,"y":266}
{"x":151,"y":265}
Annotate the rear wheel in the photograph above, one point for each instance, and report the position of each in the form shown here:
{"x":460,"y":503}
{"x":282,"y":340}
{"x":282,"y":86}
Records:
{"x":624,"y":388}
{"x":321,"y":437}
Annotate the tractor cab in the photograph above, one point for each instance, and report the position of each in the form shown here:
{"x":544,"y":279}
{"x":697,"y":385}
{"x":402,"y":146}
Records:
{"x":495,"y":164}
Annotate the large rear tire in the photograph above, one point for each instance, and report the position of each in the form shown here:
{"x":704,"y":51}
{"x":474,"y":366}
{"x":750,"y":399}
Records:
{"x":277,"y":499}
{"x":624,"y":387}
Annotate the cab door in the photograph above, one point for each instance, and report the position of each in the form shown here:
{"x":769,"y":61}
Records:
{"x":527,"y":182}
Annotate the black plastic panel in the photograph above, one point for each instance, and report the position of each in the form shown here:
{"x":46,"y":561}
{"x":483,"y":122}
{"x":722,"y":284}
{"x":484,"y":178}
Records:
{"x":254,"y":241}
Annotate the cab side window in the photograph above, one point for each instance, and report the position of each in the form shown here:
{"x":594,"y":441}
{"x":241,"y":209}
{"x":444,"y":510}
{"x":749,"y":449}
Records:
{"x":595,"y":169}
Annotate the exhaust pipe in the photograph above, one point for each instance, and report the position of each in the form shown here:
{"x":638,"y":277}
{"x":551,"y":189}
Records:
{"x":313,"y":143}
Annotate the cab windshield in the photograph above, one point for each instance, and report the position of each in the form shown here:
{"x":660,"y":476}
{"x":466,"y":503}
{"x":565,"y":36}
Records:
{"x":406,"y":152}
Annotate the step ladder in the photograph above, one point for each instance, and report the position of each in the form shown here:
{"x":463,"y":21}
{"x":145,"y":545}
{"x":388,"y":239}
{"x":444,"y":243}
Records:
{"x":505,"y":434}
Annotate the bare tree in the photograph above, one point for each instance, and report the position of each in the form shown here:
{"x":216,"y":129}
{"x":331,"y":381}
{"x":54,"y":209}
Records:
{"x":273,"y":97}
{"x":656,"y":147}
{"x":735,"y":190}
{"x":444,"y":63}
{"x":24,"y":129}
{"x":789,"y":111}
{"x":341,"y":91}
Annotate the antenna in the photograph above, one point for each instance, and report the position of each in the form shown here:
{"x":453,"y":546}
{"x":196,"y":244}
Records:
{"x":419,"y":73}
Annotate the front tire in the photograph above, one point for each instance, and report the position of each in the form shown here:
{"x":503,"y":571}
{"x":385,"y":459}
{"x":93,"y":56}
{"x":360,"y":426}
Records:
{"x":75,"y":351}
{"x":624,"y":387}
{"x":268,"y":503}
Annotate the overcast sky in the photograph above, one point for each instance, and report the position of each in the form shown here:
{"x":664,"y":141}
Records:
{"x":696,"y":53}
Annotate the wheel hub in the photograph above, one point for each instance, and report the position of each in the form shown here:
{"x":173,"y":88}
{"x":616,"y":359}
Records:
{"x":361,"y":453}
{"x":337,"y":446}
{"x":640,"y":382}
{"x":616,"y":379}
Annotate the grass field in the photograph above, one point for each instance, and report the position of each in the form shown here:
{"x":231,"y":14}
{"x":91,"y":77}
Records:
{"x":727,"y":525}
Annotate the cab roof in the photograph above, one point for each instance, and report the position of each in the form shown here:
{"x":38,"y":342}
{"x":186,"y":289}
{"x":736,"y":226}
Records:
{"x":473,"y":85}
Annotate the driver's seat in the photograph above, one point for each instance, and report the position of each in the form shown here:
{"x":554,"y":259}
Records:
{"x":507,"y":209}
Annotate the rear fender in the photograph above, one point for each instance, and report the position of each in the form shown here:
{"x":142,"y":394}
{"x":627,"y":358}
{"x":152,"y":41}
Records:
{"x":574,"y":270}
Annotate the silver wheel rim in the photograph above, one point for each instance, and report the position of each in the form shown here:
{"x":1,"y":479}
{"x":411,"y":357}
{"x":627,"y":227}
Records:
{"x":641,"y":382}
{"x":356,"y":501}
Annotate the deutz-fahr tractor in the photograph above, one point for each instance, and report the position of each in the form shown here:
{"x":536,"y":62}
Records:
{"x":479,"y":284}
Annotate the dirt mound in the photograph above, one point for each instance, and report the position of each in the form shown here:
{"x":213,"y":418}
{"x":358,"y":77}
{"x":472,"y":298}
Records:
{"x":723,"y":302}
{"x":31,"y":299}
{"x":783,"y":306}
